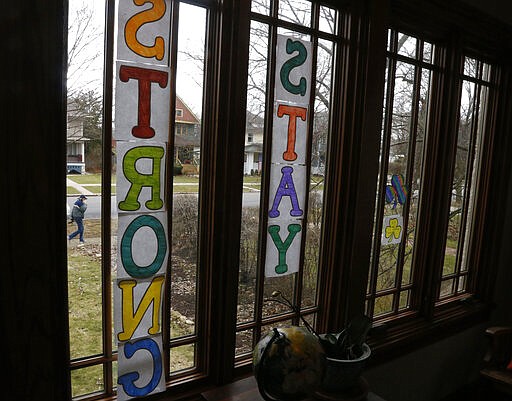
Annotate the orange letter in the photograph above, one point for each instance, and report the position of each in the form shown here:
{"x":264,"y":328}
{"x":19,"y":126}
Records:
{"x":135,"y":22}
{"x":293,"y":112}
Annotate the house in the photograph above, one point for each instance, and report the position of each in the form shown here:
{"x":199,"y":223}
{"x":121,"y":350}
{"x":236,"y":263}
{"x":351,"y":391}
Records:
{"x":433,"y":353}
{"x":75,"y":141}
{"x":253,"y":155}
{"x":187,"y":139}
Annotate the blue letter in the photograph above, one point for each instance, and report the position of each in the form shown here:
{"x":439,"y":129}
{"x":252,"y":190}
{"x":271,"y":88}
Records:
{"x":127,"y":380}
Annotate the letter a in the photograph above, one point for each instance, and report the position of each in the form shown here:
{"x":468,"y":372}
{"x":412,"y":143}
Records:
{"x":286,"y":188}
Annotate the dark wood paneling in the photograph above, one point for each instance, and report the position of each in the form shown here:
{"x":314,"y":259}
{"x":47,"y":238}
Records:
{"x":33,"y":247}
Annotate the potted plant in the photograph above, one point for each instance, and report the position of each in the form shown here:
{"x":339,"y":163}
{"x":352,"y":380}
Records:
{"x":346,"y":355}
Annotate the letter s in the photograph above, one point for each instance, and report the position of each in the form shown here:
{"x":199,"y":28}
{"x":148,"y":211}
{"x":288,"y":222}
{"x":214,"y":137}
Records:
{"x":135,"y":22}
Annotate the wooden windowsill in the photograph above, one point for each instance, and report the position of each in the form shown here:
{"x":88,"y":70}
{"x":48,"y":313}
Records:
{"x":247,"y":390}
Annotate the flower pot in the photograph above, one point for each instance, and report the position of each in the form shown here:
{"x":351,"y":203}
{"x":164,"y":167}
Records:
{"x":343,"y":374}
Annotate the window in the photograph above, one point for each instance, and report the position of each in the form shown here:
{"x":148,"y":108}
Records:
{"x":256,"y":311}
{"x":409,"y":191}
{"x":410,"y":66}
{"x":392,"y":205}
{"x":474,"y":101}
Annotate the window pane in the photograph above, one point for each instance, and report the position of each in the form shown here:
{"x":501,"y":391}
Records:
{"x":186,"y":181}
{"x":296,"y":11}
{"x":428,"y":49}
{"x":87,"y":380}
{"x":182,"y":357}
{"x":328,"y":19}
{"x":260,"y":6}
{"x":471,"y":67}
{"x":244,"y":342}
{"x":383,"y":305}
{"x":322,"y":116}
{"x":256,"y":303}
{"x":406,"y":108}
{"x":406,"y":45}
{"x":86,"y":277}
{"x":84,"y":286}
{"x":472,"y":118}
{"x":255,"y":118}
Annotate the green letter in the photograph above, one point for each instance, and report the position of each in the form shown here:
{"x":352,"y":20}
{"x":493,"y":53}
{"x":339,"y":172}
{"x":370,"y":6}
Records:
{"x":282,"y":247}
{"x":126,"y":247}
{"x":289,"y":65}
{"x":138,"y":180}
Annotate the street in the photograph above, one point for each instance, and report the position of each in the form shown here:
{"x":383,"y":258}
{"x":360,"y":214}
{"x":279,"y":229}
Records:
{"x":250,"y":199}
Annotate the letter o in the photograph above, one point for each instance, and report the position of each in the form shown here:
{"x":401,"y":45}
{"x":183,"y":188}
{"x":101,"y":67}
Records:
{"x":126,"y":247}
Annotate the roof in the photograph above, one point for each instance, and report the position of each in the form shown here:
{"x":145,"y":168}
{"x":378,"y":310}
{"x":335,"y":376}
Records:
{"x":254,"y":147}
{"x":188,"y":116}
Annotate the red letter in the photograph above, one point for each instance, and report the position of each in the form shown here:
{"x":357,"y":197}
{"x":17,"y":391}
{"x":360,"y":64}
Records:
{"x":145,"y":78}
{"x":293,"y":112}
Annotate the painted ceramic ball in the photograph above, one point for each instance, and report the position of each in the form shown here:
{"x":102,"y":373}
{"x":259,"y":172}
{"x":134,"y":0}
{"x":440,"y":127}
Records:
{"x":288,"y":364}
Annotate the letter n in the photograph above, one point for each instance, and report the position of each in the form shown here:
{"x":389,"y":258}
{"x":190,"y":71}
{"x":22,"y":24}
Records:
{"x":132,"y":315}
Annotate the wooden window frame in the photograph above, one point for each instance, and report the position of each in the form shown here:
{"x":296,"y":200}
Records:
{"x":350,"y":190}
{"x":431,"y":319}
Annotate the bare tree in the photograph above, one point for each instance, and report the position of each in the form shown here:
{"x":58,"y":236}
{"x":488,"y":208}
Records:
{"x":84,"y":100}
{"x":84,"y":49}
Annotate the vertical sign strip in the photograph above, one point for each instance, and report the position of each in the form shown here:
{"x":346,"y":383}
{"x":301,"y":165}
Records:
{"x":288,"y":170}
{"x":141,"y":133}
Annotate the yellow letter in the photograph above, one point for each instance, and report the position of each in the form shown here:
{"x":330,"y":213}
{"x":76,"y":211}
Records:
{"x":132,"y":319}
{"x":135,"y":22}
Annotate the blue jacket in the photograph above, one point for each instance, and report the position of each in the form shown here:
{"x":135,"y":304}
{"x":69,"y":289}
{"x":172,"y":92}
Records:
{"x":79,"y":208}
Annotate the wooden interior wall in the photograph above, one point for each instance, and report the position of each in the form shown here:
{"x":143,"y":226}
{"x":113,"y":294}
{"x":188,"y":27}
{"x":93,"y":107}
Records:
{"x":33,"y":248}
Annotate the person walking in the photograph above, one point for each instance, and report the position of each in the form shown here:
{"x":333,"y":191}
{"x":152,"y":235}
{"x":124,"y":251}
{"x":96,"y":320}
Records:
{"x":77,"y":215}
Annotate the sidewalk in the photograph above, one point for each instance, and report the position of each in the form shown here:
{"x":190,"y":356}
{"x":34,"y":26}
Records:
{"x":80,"y":189}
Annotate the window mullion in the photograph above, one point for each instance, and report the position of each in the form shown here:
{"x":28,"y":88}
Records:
{"x":333,"y":192}
{"x":441,"y":181}
{"x":385,"y":149}
{"x":468,"y":182}
{"x":265,"y":178}
{"x":227,"y":66}
{"x":410,"y":170}
{"x":106,"y":190}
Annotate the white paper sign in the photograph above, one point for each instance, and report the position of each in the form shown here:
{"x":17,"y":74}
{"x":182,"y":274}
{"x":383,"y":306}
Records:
{"x":392,"y":229}
{"x":283,"y":248}
{"x":140,"y":301}
{"x":293,"y":70}
{"x":140,"y":368}
{"x":142,"y":245}
{"x":290,"y":129}
{"x":144,"y":31}
{"x":142,"y":103}
{"x":140,"y":177}
{"x":287,"y":192}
